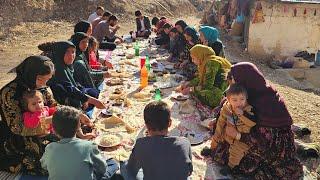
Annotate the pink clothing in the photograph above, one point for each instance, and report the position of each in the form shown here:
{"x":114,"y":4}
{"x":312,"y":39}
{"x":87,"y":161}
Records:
{"x":93,"y":61}
{"x":31,"y":120}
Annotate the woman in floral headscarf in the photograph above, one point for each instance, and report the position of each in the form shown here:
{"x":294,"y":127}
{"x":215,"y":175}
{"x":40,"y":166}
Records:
{"x":210,"y":82}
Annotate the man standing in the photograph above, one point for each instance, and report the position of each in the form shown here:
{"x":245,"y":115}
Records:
{"x":98,"y":13}
{"x":143,"y":25}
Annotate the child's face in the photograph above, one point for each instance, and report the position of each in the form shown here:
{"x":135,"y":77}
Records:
{"x":94,"y":47}
{"x":237,"y":101}
{"x":84,"y":44}
{"x":35,"y":103}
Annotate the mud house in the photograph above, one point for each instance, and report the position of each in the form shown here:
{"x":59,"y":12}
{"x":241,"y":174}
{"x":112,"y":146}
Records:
{"x":284,"y":27}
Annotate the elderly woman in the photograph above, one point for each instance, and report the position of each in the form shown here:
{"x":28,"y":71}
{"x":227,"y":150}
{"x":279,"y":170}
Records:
{"x":210,"y":82}
{"x":21,"y":148}
{"x":209,"y":36}
{"x":272,"y":151}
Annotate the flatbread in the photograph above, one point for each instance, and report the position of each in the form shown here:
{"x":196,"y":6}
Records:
{"x":186,"y":107}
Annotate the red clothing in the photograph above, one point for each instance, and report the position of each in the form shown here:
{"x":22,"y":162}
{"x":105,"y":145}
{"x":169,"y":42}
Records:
{"x":31,"y":120}
{"x":93,"y":61}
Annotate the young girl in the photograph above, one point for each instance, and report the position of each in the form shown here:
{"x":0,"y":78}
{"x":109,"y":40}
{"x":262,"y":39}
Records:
{"x":93,"y":58}
{"x":36,"y":111}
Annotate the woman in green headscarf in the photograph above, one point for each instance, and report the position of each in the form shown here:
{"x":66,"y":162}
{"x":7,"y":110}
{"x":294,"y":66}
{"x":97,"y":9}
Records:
{"x":209,"y":36}
{"x":210,"y":82}
{"x":83,"y":73}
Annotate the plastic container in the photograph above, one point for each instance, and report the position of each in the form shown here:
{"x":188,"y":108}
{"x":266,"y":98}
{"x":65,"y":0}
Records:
{"x":157,"y":97}
{"x":317,"y":58}
{"x":137,"y":49}
{"x":143,"y":62}
{"x":143,"y":77}
{"x":148,"y":65}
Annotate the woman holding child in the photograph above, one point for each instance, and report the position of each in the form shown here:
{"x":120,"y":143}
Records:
{"x":271,"y":153}
{"x":22,"y":147}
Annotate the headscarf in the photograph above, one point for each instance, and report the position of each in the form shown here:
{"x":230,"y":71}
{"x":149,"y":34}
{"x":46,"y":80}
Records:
{"x":182,"y":23}
{"x":63,"y":73}
{"x":205,"y":54}
{"x":28,"y":71}
{"x":76,"y":39}
{"x":269,"y":106}
{"x":210,"y":33}
{"x":193,"y":33}
{"x":82,"y":26}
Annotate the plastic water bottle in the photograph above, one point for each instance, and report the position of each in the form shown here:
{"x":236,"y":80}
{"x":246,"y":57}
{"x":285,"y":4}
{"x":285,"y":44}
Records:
{"x":148,"y":65}
{"x":317,"y":58}
{"x":137,"y":49}
{"x":157,"y":97}
{"x":143,"y":77}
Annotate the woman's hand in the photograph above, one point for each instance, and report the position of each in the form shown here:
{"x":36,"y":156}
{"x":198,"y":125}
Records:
{"x":97,"y":103}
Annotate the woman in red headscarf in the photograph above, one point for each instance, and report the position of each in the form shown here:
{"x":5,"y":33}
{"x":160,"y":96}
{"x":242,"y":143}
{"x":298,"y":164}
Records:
{"x":272,"y":151}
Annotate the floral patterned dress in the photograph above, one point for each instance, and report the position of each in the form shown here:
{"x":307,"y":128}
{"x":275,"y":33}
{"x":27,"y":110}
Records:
{"x":20,"y":148}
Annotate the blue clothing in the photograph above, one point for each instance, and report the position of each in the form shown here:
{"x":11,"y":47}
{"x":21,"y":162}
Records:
{"x":73,"y":159}
{"x":210,"y":33}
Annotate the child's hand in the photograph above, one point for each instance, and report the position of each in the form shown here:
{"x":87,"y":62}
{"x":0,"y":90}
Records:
{"x":108,"y":65}
{"x":238,"y":111}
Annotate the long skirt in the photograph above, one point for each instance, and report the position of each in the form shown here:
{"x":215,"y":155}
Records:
{"x":271,"y":156}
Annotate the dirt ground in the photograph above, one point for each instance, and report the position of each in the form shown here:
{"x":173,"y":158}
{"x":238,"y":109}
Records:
{"x":303,"y":106}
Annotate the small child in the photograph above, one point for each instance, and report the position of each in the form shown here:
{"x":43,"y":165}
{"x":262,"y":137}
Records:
{"x":159,"y":156}
{"x":35,"y":110}
{"x":237,"y":112}
{"x":73,"y":158}
{"x":92,"y":51}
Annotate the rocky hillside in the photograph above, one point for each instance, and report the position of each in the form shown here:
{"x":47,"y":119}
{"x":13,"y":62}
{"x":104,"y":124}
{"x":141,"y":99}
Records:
{"x":13,"y":12}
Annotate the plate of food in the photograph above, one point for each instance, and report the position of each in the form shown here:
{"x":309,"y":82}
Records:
{"x":109,"y":140}
{"x":194,"y":138}
{"x":169,"y":66}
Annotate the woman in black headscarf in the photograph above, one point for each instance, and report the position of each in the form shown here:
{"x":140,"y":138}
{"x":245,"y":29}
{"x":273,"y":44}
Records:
{"x":65,"y":88}
{"x":21,"y":148}
{"x":83,"y":73}
{"x":83,"y":26}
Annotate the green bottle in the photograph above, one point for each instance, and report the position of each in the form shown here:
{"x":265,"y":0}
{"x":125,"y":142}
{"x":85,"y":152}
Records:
{"x":157,"y":97}
{"x":137,"y":49}
{"x":148,"y":65}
